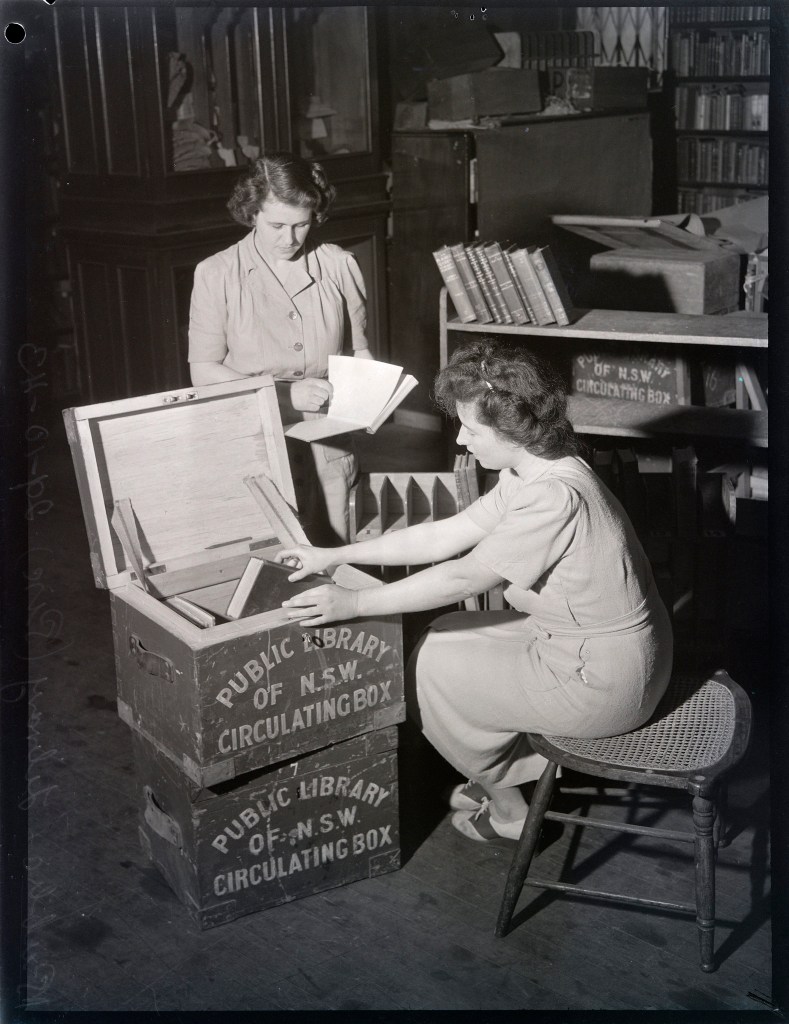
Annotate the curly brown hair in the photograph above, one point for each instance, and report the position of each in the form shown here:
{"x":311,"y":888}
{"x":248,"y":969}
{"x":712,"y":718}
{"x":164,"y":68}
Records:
{"x":287,"y":178}
{"x":518,"y":394}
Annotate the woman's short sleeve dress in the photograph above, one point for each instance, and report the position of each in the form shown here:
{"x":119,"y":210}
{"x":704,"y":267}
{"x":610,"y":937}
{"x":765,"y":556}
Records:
{"x":586,"y":649}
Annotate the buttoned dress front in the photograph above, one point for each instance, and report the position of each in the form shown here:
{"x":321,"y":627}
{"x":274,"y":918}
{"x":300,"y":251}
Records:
{"x":287,"y":324}
{"x":586,"y":649}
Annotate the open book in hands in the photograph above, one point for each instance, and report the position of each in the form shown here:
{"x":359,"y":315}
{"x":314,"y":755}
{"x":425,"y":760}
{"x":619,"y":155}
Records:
{"x":365,"y":392}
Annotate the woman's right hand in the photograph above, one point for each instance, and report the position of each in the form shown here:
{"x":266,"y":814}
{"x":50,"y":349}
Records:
{"x":306,"y":560}
{"x":310,"y":395}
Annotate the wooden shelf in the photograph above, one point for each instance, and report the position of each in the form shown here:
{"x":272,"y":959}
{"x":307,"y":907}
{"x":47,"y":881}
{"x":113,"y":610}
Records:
{"x":621,"y":417}
{"x":739,"y":330}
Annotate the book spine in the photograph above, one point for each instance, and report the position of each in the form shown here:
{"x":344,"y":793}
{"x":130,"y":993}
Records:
{"x":519,"y":287}
{"x":493,"y":284}
{"x":473,"y":259}
{"x":531,"y":285}
{"x":511,"y":298}
{"x":457,"y":292}
{"x":559,"y":283}
{"x":472,"y":287}
{"x":549,"y":285}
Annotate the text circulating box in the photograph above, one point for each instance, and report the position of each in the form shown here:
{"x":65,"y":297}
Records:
{"x":326,"y":819}
{"x":609,"y":373}
{"x":270,"y":694}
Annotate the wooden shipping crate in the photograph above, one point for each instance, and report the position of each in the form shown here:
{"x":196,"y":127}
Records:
{"x":699,"y":281}
{"x":599,"y":88}
{"x":179,"y":490}
{"x":275,"y":835}
{"x":483,"y":94}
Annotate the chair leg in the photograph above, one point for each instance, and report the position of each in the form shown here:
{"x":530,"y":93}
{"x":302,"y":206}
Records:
{"x":721,"y":815}
{"x":527,"y":844}
{"x":704,"y":848}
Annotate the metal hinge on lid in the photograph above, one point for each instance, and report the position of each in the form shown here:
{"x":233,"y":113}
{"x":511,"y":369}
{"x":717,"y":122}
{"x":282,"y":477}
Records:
{"x":180,"y":396}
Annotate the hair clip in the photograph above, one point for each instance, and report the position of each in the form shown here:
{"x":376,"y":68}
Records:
{"x":483,"y":370}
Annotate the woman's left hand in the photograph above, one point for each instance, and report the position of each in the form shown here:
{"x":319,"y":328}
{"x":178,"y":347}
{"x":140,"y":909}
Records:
{"x":329,"y":603}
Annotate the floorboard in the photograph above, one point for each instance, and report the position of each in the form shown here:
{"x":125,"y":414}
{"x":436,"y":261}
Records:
{"x":106,"y":932}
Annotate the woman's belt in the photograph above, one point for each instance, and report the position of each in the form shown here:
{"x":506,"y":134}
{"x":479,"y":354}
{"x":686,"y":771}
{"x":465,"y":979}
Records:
{"x":627,"y":623}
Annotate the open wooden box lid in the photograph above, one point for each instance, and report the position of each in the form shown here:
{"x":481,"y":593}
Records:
{"x":654,"y":233}
{"x":181,"y":459}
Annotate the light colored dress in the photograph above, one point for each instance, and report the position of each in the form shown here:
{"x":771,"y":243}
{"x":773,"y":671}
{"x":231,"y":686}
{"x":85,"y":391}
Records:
{"x":245,"y":316}
{"x":587,"y":650}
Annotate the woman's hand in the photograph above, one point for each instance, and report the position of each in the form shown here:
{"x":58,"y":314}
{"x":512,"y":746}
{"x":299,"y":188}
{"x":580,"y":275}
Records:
{"x":306,"y":560}
{"x":329,"y":603}
{"x":310,"y":395}
{"x":363,"y":353}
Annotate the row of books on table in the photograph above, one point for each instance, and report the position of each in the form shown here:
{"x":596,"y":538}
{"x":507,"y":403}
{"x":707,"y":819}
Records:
{"x":489,"y":283}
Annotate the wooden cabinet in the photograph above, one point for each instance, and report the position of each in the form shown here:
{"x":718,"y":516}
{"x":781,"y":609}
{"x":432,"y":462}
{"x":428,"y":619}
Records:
{"x":502,"y":184}
{"x":161,"y":107}
{"x":621,"y":417}
{"x":720,"y":60}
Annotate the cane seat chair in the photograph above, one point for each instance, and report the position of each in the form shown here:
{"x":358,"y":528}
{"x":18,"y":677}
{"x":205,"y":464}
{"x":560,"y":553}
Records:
{"x":699,"y":731}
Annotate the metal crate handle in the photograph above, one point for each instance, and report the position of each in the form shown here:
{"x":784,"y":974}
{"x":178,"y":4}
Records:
{"x":162,"y":824}
{"x":147,"y":661}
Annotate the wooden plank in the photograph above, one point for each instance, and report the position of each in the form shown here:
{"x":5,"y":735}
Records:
{"x":125,"y":526}
{"x":746,"y":331}
{"x":277,"y":449}
{"x":619,"y":417}
{"x":276,"y":509}
{"x":105,"y":555}
{"x":181,"y":461}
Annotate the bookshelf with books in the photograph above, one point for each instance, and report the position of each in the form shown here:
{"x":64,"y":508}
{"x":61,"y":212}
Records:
{"x":473,"y":187}
{"x":629,"y":334}
{"x":720,"y":59}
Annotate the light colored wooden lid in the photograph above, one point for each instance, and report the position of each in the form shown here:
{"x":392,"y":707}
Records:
{"x":653,"y":233}
{"x":181,"y":458}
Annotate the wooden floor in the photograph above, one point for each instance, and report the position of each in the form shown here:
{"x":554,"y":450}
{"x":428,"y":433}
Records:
{"x":106,"y":933}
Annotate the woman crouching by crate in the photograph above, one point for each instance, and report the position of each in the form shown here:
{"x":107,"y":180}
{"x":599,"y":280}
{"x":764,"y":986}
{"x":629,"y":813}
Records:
{"x":586,"y":648}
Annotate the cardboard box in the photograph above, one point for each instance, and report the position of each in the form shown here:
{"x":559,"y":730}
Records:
{"x":203,"y":479}
{"x":602,"y":88}
{"x":326,"y":819}
{"x":486,"y":93}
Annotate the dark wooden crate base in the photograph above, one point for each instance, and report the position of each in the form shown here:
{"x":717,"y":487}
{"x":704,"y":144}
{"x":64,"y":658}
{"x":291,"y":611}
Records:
{"x":274,"y":835}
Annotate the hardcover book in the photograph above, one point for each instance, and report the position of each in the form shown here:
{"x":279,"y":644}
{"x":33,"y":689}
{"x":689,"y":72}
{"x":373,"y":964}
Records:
{"x":473,"y":289}
{"x":518,"y":286}
{"x":264,"y":585}
{"x":503,"y":315}
{"x":532,"y":287}
{"x":476,"y":266}
{"x":452,"y":279}
{"x":552,"y":282}
{"x":501,"y":272}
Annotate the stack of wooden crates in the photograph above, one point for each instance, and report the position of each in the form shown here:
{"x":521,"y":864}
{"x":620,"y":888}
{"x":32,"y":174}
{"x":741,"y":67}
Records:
{"x":265,"y":751}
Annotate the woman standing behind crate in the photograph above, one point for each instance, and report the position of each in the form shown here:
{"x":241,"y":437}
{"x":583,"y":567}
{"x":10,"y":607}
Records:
{"x":586,"y":650}
{"x":273,"y":303}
